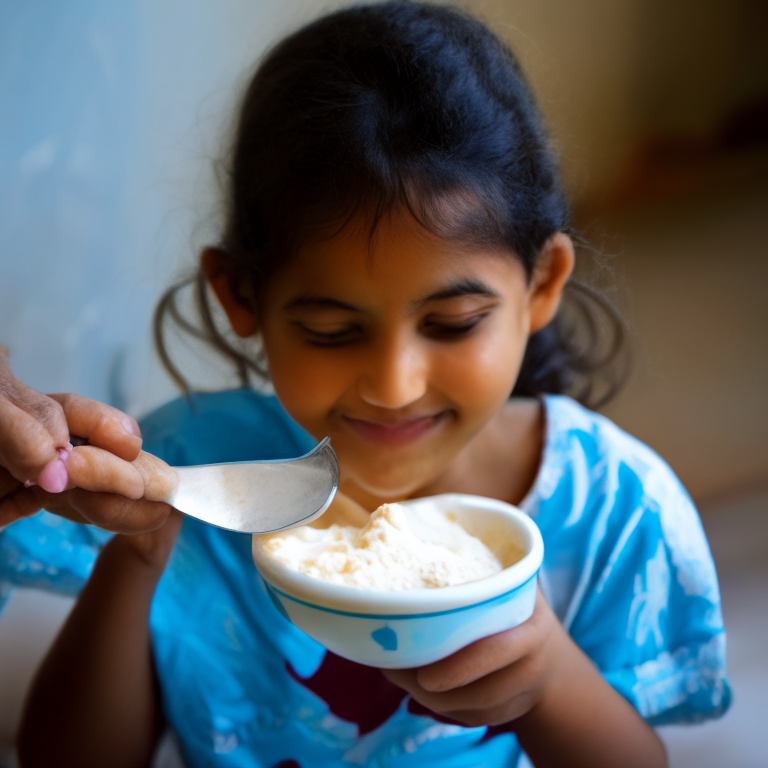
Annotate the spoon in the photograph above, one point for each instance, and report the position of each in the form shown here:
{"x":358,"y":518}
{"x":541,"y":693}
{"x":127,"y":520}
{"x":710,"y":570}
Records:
{"x":256,"y":496}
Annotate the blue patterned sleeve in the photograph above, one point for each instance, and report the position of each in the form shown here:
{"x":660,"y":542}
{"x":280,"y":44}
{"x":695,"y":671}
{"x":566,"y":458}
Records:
{"x":650,"y":617}
{"x":47,"y":552}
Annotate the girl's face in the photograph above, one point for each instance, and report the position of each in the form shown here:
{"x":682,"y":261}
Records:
{"x":401,"y":349}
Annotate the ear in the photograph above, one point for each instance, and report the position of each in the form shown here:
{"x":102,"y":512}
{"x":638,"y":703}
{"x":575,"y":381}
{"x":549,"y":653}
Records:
{"x":242,"y":316}
{"x":553,"y":268}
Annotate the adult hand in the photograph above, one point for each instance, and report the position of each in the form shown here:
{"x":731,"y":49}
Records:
{"x":109,"y":482}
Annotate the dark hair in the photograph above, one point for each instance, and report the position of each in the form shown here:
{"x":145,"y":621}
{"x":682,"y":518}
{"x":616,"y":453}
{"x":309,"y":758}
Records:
{"x":401,"y":106}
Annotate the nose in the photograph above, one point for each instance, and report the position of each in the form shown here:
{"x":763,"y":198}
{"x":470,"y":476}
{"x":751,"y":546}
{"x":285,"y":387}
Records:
{"x":396,"y":373}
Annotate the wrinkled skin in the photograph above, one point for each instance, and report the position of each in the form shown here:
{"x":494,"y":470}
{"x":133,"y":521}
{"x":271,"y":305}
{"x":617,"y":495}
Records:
{"x":109,"y":482}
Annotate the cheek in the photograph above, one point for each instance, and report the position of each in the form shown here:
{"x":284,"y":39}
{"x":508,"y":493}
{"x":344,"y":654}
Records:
{"x":306,"y":382}
{"x":482,"y":375}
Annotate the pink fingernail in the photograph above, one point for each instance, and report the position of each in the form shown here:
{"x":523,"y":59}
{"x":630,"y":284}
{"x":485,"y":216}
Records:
{"x":29,"y":483}
{"x":132,"y":427}
{"x":63,"y":454}
{"x":53,"y":478}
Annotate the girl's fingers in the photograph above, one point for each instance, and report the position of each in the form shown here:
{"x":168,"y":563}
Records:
{"x":118,"y":514}
{"x":405,"y":679}
{"x":491,"y":654}
{"x":104,"y":426}
{"x":100,"y":471}
{"x":20,"y":502}
{"x":473,"y":704}
{"x":155,"y":547}
{"x":8,"y":483}
{"x":477,"y":660}
{"x":61,"y":504}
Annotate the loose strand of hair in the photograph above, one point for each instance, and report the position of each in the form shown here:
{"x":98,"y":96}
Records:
{"x":168,"y":311}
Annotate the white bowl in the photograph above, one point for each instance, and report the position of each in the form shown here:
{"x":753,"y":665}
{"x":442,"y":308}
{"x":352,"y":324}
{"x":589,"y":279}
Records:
{"x":411,"y":628}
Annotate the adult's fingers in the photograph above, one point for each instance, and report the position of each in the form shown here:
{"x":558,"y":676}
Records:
{"x":98,"y":470}
{"x":31,"y":431}
{"x":118,"y":514}
{"x":160,"y":480}
{"x":104,"y":426}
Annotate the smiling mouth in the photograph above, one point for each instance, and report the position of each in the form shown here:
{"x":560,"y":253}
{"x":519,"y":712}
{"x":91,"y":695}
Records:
{"x":395,"y":433}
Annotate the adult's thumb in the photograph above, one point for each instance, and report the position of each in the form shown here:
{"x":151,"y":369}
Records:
{"x":54,"y":476}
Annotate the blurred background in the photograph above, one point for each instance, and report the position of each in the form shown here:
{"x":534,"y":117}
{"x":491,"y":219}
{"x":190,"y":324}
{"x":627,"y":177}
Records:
{"x":113,"y":116}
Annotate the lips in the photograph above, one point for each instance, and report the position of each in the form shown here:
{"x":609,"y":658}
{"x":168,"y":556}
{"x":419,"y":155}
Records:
{"x":393,"y":433}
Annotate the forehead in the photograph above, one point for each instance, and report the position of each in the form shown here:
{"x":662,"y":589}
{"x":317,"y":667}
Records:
{"x":399,"y":262}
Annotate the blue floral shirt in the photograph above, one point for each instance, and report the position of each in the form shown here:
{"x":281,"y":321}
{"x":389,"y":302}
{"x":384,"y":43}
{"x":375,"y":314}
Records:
{"x":626,"y":568}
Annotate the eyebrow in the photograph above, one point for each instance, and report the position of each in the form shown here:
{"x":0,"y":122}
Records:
{"x":453,"y":290}
{"x":457,"y":289}
{"x":308,"y":301}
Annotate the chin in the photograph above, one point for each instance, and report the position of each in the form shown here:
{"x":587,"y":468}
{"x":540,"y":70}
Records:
{"x":391,"y":486}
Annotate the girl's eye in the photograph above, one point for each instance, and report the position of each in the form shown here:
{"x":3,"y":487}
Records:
{"x":331,"y":338}
{"x":449,"y":331}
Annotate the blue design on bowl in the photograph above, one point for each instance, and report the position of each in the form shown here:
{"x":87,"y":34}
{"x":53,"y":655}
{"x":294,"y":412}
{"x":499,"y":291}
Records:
{"x":386,"y":637}
{"x":421,"y":638}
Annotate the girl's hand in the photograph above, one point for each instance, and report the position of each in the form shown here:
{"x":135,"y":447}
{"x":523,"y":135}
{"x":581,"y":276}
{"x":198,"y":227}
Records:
{"x":496,"y":679}
{"x":152,"y":549}
{"x":534,"y":676}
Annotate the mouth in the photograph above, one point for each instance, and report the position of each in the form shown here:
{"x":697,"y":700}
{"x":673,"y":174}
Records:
{"x":394,"y":433}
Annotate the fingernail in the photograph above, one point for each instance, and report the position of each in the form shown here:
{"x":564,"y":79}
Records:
{"x":53,"y":478}
{"x":29,"y":483}
{"x":64,"y":454}
{"x":132,"y":427}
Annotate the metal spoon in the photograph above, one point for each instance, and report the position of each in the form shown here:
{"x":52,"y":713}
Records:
{"x":257,"y":496}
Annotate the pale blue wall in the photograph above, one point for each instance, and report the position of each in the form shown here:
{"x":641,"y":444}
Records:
{"x":111,"y":114}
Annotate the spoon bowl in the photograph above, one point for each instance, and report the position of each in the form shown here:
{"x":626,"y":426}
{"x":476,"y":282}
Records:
{"x":259,"y":496}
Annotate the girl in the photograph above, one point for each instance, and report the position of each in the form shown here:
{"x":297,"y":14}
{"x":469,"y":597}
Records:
{"x":398,"y":241}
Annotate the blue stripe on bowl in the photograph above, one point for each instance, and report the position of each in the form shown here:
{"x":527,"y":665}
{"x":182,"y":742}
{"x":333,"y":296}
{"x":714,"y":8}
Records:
{"x":401,"y":616}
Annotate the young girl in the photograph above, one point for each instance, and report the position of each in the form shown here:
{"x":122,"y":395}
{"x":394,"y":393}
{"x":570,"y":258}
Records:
{"x":397,"y":241}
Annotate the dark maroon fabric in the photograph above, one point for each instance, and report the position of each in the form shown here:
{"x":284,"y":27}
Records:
{"x":353,"y":692}
{"x":497,"y":730}
{"x":362,"y":695}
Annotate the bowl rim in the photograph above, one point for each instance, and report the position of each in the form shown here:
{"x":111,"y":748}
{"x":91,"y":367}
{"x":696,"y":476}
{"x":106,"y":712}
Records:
{"x":373,"y":602}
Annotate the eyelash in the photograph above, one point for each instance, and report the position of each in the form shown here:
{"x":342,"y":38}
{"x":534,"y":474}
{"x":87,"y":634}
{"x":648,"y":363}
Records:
{"x":448,"y":331}
{"x":442,"y":331}
{"x":332,"y":339}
